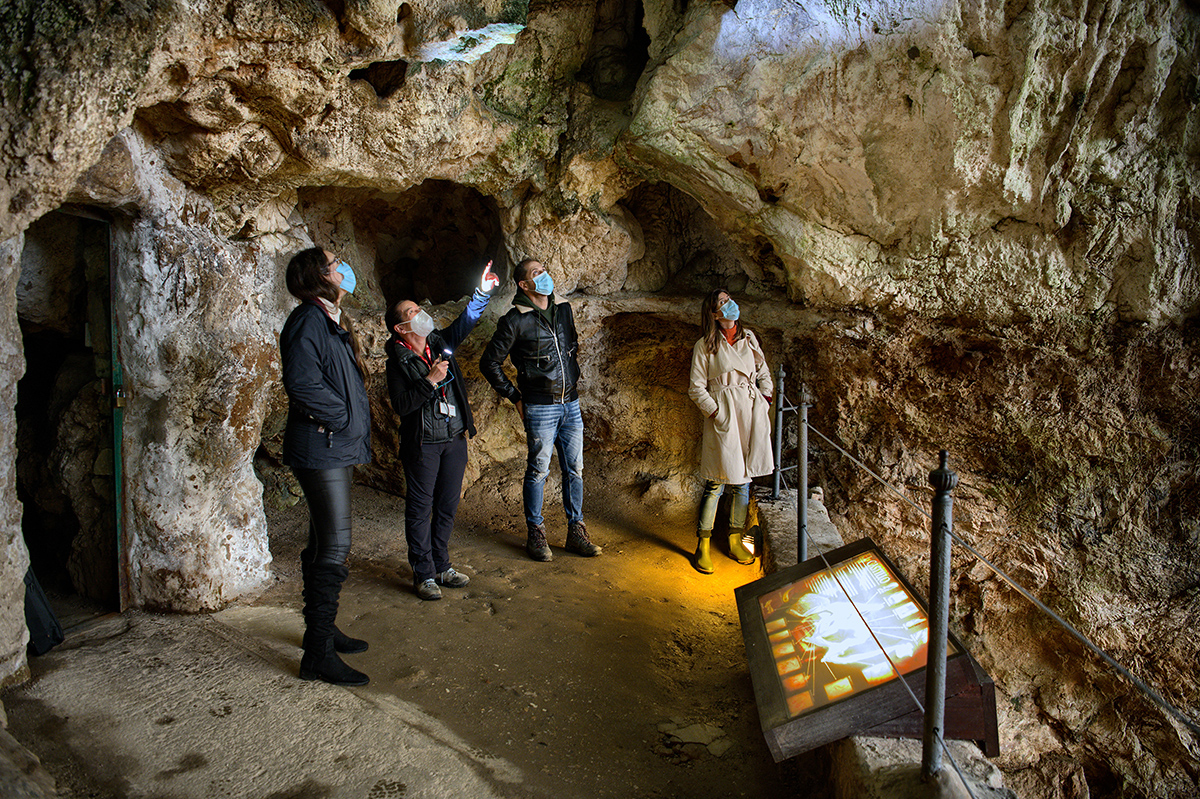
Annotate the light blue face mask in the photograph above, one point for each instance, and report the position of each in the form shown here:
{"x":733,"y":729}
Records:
{"x":543,"y":283}
{"x":730,"y":311}
{"x":348,"y":279}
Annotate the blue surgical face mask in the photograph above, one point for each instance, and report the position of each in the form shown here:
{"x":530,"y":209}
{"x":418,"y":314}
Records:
{"x":348,"y":279}
{"x":730,"y":311}
{"x":543,"y":283}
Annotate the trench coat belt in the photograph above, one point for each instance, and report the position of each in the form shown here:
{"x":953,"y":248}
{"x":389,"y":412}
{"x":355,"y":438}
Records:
{"x":750,"y":388}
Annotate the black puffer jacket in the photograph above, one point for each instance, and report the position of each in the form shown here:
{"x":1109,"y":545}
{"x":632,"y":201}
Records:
{"x":415,"y":399}
{"x":545,"y":356}
{"x":329,"y":416}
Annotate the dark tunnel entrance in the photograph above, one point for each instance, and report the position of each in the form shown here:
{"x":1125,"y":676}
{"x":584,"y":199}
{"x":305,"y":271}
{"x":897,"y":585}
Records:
{"x":427,"y":243}
{"x":687,"y":252}
{"x":65,"y":466}
{"x":619,"y":51}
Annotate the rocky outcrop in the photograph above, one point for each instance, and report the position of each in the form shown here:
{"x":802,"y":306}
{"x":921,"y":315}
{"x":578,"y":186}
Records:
{"x":1075,"y":449}
{"x":969,"y":225}
{"x":991,"y":160}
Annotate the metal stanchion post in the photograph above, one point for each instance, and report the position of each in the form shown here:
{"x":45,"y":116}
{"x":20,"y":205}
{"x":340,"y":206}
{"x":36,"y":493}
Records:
{"x":778,"y":432}
{"x":943,"y":481}
{"x":802,"y":487}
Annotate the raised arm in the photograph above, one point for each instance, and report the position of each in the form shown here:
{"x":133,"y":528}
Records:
{"x":460,"y":328}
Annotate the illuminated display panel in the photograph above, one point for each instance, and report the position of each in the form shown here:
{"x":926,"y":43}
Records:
{"x":823,"y":652}
{"x":818,"y":674}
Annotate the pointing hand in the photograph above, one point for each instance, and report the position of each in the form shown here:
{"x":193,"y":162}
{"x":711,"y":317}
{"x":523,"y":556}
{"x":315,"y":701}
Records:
{"x":489,"y":280}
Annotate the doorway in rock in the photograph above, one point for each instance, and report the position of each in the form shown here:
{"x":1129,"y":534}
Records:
{"x":66,"y":473}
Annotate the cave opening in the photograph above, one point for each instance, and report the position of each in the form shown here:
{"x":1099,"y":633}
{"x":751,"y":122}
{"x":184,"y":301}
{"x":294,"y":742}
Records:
{"x":426,"y":244}
{"x":619,"y":50}
{"x":65,"y":467}
{"x":688,"y":253}
{"x":385,"y":77}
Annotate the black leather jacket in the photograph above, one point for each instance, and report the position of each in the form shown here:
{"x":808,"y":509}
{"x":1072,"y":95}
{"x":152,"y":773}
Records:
{"x":544,"y":355}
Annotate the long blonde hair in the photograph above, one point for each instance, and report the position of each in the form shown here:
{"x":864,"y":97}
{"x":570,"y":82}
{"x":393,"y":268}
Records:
{"x":709,"y":329}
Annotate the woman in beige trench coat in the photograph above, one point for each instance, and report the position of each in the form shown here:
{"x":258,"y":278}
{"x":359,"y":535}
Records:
{"x":731,"y":384}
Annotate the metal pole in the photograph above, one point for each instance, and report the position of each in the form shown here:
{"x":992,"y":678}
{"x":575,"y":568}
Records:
{"x":802,"y":487}
{"x":943,"y":481}
{"x":778,"y":446}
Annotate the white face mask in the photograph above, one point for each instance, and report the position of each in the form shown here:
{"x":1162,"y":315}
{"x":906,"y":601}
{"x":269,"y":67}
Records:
{"x":421,"y":324}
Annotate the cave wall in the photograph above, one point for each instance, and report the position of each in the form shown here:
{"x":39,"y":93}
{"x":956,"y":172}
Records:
{"x":897,"y":154}
{"x":1076,"y":448}
{"x":969,"y":225}
{"x":14,"y":557}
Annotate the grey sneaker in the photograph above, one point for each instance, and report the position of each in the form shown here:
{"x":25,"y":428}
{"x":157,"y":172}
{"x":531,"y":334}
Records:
{"x":579,"y":543}
{"x":428,"y":589}
{"x":452,"y":579}
{"x":536,"y":545}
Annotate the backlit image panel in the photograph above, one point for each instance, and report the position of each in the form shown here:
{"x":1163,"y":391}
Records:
{"x":823,"y":651}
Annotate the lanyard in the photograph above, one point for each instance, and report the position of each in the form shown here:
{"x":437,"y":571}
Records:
{"x":427,"y":357}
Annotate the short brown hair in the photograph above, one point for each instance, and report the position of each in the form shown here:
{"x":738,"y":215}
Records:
{"x":521,"y":271}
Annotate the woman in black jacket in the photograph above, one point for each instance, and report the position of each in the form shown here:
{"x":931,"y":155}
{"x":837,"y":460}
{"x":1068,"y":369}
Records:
{"x":328,"y":432}
{"x":429,"y":395}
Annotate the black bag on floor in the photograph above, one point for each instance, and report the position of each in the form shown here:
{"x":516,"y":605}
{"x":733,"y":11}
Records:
{"x":45,"y":632}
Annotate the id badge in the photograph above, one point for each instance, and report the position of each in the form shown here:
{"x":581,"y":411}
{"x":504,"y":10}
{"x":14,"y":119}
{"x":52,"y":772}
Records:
{"x":448,"y":410}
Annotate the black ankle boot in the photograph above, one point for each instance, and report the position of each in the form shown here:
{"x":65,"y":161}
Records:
{"x":320,"y":662}
{"x":346,"y":645}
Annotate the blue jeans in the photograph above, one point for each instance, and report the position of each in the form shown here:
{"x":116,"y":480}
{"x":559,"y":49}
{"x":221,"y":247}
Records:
{"x":708,"y":506}
{"x":549,"y":428}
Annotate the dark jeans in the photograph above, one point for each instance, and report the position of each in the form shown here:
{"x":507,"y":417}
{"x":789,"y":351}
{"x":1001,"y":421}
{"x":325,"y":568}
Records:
{"x":433,"y":475}
{"x":327,"y":492}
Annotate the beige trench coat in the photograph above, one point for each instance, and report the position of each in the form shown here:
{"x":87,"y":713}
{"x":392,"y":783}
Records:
{"x":736,"y":444}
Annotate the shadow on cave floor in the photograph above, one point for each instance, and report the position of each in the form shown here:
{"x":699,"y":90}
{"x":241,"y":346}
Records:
{"x":545,"y":679}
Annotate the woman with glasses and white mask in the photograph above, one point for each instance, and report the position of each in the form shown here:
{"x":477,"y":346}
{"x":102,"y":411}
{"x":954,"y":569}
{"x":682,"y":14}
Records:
{"x":731,"y":384}
{"x":328,"y":432}
{"x":430,"y":397}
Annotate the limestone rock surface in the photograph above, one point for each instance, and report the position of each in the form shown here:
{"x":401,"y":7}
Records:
{"x":967,"y":225}
{"x":896,"y":154}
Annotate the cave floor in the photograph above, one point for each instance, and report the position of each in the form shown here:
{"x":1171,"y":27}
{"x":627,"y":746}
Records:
{"x":617,"y":676}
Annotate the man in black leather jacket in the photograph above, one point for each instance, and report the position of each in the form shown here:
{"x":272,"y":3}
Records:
{"x":538,"y":334}
{"x":429,"y":395}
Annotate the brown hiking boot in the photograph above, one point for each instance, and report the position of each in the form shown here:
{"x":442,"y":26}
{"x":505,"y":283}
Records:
{"x":536,"y":545}
{"x":579,"y":543}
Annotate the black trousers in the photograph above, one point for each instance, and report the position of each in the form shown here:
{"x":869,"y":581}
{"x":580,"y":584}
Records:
{"x":433,"y":475}
{"x":327,"y":492}
{"x":323,"y":561}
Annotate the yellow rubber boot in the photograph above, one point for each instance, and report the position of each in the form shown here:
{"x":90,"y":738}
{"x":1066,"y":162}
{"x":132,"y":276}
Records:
{"x":703,"y":562}
{"x":738,"y":551}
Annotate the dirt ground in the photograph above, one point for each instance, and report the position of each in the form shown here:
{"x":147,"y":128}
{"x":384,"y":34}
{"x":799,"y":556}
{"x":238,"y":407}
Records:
{"x":579,"y":670}
{"x":616,"y":676}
